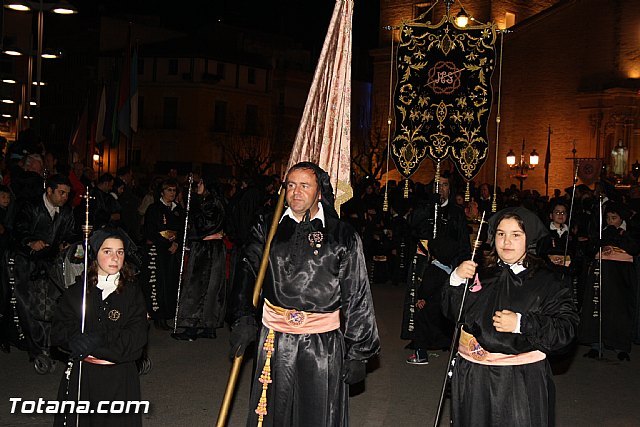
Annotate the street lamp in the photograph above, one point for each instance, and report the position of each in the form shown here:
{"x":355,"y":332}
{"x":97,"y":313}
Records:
{"x":522,"y":167}
{"x":61,"y":8}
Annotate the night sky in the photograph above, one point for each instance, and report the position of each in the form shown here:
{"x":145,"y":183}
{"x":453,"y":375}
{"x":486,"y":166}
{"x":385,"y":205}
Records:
{"x":305,"y":20}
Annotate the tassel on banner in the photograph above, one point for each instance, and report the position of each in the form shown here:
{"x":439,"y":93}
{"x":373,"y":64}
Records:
{"x":406,"y":188}
{"x":467,"y":193}
{"x":385,"y":203}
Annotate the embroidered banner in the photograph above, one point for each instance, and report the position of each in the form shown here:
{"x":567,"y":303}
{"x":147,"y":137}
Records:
{"x":443,"y":95}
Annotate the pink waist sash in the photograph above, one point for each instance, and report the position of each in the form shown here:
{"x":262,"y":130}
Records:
{"x":470,"y":349}
{"x":614,"y":253}
{"x":96,"y":361}
{"x":298,"y":322}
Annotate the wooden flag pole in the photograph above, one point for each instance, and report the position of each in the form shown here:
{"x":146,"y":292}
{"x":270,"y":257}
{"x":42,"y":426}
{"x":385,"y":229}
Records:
{"x":223,"y":414}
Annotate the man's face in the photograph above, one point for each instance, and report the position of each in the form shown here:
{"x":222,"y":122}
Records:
{"x":444,"y":189}
{"x":59,"y":196}
{"x":484,"y":192}
{"x":34,"y":166}
{"x":5,"y":199}
{"x":302,"y":192}
{"x":559,"y":214}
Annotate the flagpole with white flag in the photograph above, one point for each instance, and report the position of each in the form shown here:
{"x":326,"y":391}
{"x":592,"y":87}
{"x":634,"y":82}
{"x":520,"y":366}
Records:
{"x":323,"y":138}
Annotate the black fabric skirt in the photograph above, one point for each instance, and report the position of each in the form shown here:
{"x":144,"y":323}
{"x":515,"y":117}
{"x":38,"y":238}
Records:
{"x":203,"y":298}
{"x":111,"y":383}
{"x":307,"y":388}
{"x":519,"y":395}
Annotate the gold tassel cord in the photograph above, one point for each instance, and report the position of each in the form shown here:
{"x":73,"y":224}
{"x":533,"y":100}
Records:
{"x":265,"y":376}
{"x":385,"y":205}
{"x":494,"y":202}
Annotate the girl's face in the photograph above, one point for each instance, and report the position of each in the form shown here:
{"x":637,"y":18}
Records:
{"x":110,"y":257}
{"x":511,"y":242}
{"x":201,"y":188}
{"x":614,"y":219}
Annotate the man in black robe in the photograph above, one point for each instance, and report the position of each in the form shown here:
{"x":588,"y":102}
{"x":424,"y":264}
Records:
{"x":319,"y":326}
{"x":439,"y":250}
{"x":43,"y":228}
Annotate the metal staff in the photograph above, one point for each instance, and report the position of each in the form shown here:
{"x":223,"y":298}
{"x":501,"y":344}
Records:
{"x":573,"y":197}
{"x":600,"y":350}
{"x":86,"y":230}
{"x":184,"y":246}
{"x":237,"y":361}
{"x":454,"y":341}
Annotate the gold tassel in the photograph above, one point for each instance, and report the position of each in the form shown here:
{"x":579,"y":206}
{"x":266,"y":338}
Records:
{"x":265,"y":377}
{"x":385,"y":203}
{"x":406,"y":188}
{"x":467,"y":193}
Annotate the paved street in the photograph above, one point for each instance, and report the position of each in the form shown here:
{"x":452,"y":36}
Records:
{"x":186,"y":384}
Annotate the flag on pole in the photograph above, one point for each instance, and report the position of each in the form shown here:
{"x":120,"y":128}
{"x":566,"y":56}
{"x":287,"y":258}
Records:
{"x":100,"y":117}
{"x":547,"y":160}
{"x":324,"y":133}
{"x":133,"y":90}
{"x":78,"y":140}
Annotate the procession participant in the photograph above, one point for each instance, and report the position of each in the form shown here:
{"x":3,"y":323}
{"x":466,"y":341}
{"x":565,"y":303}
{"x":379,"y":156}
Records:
{"x":435,"y":257}
{"x":516,"y":312}
{"x":163,"y":222}
{"x":42,"y":229}
{"x":203,"y":298}
{"x":318,"y":322}
{"x":614,"y":298}
{"x":115,"y":333}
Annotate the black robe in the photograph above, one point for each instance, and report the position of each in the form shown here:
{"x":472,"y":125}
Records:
{"x":203,"y":298}
{"x":519,"y":395}
{"x":122,"y":320}
{"x":425,"y":279}
{"x":617,"y":296}
{"x":306,"y":369}
{"x":34,"y":292}
{"x":160,"y":283}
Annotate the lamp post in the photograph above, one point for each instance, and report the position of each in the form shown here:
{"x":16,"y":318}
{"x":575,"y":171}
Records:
{"x":60,"y":8}
{"x":522,"y":167}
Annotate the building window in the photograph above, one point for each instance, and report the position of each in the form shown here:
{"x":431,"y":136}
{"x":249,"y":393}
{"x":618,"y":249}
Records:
{"x":220,"y":70}
{"x":173,"y":67}
{"x":509,"y":19}
{"x":170,"y":113}
{"x":220,"y":116}
{"x":140,"y":66}
{"x":251,"y":76}
{"x":251,"y":120}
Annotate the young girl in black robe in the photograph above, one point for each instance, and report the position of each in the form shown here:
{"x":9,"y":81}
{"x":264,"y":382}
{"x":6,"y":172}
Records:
{"x":516,"y":312}
{"x":115,"y":333}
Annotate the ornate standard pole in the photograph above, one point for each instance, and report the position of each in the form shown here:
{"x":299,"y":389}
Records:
{"x":184,"y":245}
{"x":86,"y":230}
{"x":454,"y":341}
{"x":223,"y":414}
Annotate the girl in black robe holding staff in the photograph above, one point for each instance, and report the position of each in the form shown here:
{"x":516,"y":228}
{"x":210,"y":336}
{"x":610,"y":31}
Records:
{"x":115,"y":333}
{"x":516,"y":312}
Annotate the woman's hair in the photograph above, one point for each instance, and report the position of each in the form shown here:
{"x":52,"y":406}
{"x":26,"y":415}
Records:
{"x":529,"y":260}
{"x":127,"y":276}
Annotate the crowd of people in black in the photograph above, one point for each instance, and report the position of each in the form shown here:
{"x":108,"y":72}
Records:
{"x":414,"y":235}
